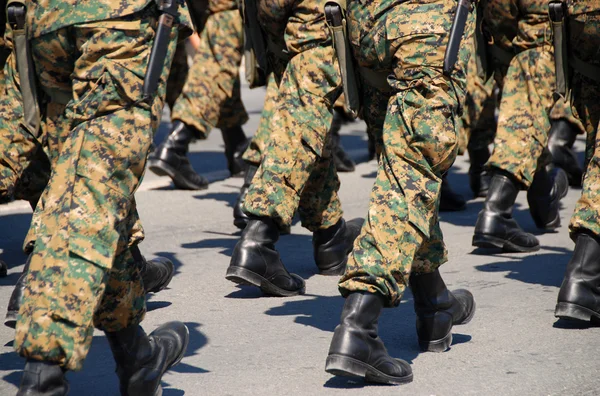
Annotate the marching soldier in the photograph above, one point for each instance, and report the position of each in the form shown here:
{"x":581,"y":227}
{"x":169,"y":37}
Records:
{"x":99,"y":120}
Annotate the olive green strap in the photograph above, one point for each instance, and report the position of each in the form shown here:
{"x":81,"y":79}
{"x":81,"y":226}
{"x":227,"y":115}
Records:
{"x":25,"y":67}
{"x":557,"y":12}
{"x":336,"y":20}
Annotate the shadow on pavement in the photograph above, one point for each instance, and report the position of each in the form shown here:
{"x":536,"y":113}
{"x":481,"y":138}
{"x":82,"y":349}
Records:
{"x":12,"y":233}
{"x":396,"y":327}
{"x":98,"y":374}
{"x":546,"y":269}
{"x":229,"y":198}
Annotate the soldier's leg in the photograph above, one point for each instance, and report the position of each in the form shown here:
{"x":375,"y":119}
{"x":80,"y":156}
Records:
{"x":565,"y":128}
{"x":299,"y":132}
{"x":420,"y":144}
{"x":24,"y":167}
{"x":343,"y":162}
{"x":478,"y":126}
{"x":253,"y":154}
{"x":579,"y":295}
{"x":177,"y":75}
{"x":520,"y":154}
{"x":212,"y":87}
{"x":85,"y":206}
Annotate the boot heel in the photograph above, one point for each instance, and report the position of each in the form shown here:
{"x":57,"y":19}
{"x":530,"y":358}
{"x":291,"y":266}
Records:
{"x":157,"y":167}
{"x":486,"y":241}
{"x":345,"y":366}
{"x":489,"y":242}
{"x":242,"y":276}
{"x":570,"y":311}
{"x":441,"y":345}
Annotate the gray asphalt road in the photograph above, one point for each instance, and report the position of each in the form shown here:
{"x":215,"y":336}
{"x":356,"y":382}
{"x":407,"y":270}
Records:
{"x":243,"y":344}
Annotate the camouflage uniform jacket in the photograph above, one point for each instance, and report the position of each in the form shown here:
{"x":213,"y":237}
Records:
{"x":45,"y":16}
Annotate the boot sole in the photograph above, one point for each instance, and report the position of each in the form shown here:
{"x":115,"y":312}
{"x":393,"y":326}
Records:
{"x":441,"y":345}
{"x":11,"y":319}
{"x":576,"y":312}
{"x":243,"y":276}
{"x":491,"y":242}
{"x":161,"y":168}
{"x":345,"y":366}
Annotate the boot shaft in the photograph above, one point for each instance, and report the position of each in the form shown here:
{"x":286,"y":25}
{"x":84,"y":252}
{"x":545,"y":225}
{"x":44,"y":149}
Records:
{"x":501,"y":195}
{"x":43,"y":379}
{"x":129,"y":346}
{"x":262,"y":230}
{"x":429,"y":292}
{"x":362,"y":311}
{"x":180,"y":138}
{"x":585,"y":263}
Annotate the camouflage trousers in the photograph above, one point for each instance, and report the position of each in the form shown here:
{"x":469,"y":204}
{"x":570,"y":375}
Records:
{"x":24,"y":166}
{"x":211,"y":96}
{"x":82,"y":273}
{"x":177,"y":75}
{"x":523,"y":123}
{"x":253,"y":153}
{"x":416,"y":123}
{"x":297,"y":171}
{"x":478,"y":122}
{"x":585,"y":106}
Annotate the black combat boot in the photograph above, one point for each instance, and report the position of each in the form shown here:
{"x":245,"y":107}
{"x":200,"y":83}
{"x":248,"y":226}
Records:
{"x":479,"y":178}
{"x":235,"y":144}
{"x":544,"y":195}
{"x":170,"y":159}
{"x":342,"y":161}
{"x":240,"y":219}
{"x":43,"y":379}
{"x":450,"y":201}
{"x":332,"y":245}
{"x":156,"y":273}
{"x":561,"y":138}
{"x":14,"y":303}
{"x":356,"y":349}
{"x":142,"y":360}
{"x":3,"y":269}
{"x":579,"y":295}
{"x":256,"y":262}
{"x":495,"y":227}
{"x":438,"y":309}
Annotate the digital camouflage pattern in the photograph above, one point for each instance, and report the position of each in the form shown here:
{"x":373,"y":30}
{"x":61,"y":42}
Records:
{"x":523,"y":121}
{"x":584,"y":42}
{"x":259,"y":141}
{"x":211,"y":96}
{"x":478,"y":122}
{"x":45,"y":16}
{"x":177,"y":75}
{"x":82,"y":274}
{"x":416,"y":126}
{"x":297,"y":171}
{"x":24,"y":167}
